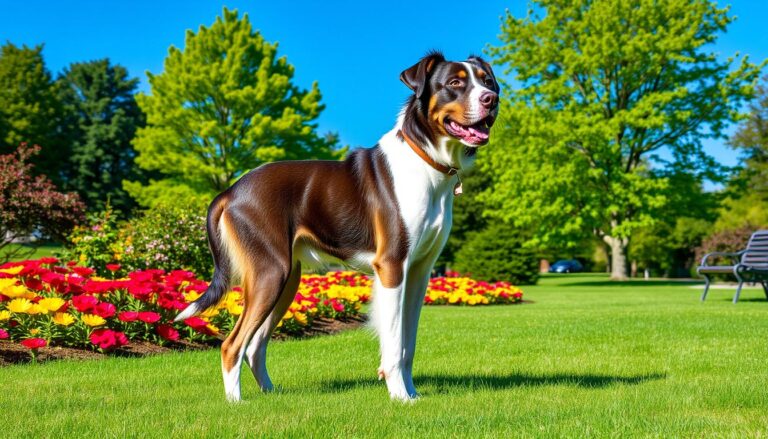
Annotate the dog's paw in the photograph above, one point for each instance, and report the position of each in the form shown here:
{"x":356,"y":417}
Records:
{"x":404,"y":397}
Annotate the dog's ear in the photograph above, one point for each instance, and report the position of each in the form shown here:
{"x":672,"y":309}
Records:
{"x":416,"y":76}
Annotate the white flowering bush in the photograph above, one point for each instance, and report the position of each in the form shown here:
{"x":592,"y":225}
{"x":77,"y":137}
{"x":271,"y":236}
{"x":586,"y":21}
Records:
{"x":167,"y":239}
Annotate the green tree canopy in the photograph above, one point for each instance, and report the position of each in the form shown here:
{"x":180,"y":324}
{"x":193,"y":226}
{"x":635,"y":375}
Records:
{"x":30,"y":110}
{"x":223,"y":105}
{"x":747,"y":192}
{"x":99,"y":99}
{"x":604,"y":85}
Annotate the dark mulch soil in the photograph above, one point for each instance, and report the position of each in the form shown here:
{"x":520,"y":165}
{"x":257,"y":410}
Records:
{"x":14,"y":353}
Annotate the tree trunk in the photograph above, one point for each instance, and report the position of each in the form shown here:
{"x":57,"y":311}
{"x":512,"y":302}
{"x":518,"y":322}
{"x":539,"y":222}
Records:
{"x":618,"y":257}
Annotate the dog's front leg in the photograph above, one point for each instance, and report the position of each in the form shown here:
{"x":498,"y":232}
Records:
{"x":387,"y":318}
{"x":416,"y":283}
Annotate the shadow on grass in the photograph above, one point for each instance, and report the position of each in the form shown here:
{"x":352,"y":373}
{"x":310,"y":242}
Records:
{"x":634,"y":283}
{"x":430,"y":384}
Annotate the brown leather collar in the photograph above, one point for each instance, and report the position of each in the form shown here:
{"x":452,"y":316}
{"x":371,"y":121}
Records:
{"x":448,"y":170}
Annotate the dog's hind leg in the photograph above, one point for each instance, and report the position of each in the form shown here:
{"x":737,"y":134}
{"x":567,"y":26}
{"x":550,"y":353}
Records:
{"x":256,"y":353}
{"x":261,"y":296}
{"x":264,"y":266}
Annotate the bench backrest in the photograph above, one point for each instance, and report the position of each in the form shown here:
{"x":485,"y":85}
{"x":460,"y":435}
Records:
{"x":756,"y":253}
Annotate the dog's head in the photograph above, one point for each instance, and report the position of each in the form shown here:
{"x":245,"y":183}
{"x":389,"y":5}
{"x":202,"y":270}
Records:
{"x":457,"y":100}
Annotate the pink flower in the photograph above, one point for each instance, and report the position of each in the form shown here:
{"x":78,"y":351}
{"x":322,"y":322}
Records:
{"x":149,"y":317}
{"x":34,"y":343}
{"x":168,"y":332}
{"x":84,"y":303}
{"x":105,"y":310}
{"x":107,"y":339}
{"x":3,"y":334}
{"x":128,"y":316}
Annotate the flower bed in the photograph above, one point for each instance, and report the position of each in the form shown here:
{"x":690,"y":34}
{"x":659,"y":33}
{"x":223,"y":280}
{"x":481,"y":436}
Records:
{"x":42,"y":302}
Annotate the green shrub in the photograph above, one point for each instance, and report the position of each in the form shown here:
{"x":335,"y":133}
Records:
{"x":96,"y":243}
{"x":497,"y":254}
{"x":167,"y":238}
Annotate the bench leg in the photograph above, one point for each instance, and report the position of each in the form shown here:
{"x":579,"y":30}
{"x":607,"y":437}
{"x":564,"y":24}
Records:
{"x":765,"y":288}
{"x":706,"y":287}
{"x":738,"y":289}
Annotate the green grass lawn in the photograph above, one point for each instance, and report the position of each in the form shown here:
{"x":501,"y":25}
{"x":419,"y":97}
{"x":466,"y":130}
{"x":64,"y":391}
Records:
{"x":590,"y":358}
{"x":42,"y":251}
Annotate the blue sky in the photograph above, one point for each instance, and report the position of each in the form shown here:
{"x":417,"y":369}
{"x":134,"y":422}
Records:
{"x":356,"y":50}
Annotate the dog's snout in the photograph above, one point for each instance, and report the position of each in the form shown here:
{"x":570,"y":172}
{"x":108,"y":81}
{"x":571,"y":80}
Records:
{"x":489,"y":99}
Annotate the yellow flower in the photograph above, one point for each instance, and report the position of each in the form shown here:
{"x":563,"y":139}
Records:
{"x":5,"y":283}
{"x":288,"y":315}
{"x":51,"y":303}
{"x":93,"y":320}
{"x":235,"y":309}
{"x":36,"y":309}
{"x":301,"y":318}
{"x":4,"y":315}
{"x":63,"y":319}
{"x":19,"y":305}
{"x":213,"y":328}
{"x":12,"y":271}
{"x":34,"y":331}
{"x":209,"y":313}
{"x":16,"y":291}
{"x":191,"y":296}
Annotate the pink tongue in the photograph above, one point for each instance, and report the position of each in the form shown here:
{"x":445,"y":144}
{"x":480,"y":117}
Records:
{"x":468,"y":132}
{"x":478,"y":134}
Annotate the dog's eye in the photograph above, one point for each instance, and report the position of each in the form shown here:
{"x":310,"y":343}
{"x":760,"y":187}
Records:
{"x":489,"y":82}
{"x":456,"y":83}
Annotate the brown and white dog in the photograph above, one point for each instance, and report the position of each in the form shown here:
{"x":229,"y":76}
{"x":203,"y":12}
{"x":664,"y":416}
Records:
{"x":385,"y":209}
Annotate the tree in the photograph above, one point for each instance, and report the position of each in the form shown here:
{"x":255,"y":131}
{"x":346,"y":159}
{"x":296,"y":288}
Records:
{"x":223,"y":105}
{"x":604,"y":85}
{"x":669,"y":244}
{"x":747,"y":192}
{"x":30,"y":110}
{"x":31,"y":205}
{"x":99,"y":99}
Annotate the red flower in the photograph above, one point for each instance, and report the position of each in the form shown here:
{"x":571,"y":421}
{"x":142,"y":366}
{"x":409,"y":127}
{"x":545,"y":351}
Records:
{"x":83,"y":271}
{"x":128,"y":316}
{"x":196,"y":323}
{"x":3,"y":334}
{"x":84,"y":303}
{"x":48,"y":261}
{"x":167,"y":332}
{"x":34,"y":343}
{"x":149,"y":316}
{"x":105,"y":310}
{"x":113,"y":267}
{"x":107,"y":339}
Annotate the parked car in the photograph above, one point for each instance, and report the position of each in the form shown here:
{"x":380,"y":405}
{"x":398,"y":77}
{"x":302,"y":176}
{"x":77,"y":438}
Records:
{"x":566,"y":266}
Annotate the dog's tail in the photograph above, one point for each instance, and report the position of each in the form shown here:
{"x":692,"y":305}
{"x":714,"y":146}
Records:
{"x":222,"y":269}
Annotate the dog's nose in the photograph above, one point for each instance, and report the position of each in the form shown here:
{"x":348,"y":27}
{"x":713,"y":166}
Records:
{"x":489,"y":99}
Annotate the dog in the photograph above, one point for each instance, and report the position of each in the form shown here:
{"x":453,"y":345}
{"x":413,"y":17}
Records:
{"x":385,"y":210}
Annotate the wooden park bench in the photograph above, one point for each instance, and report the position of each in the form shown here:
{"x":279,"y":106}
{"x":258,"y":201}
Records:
{"x":748,"y":265}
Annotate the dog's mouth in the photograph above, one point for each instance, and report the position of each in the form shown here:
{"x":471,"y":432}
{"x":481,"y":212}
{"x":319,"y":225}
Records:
{"x":475,"y":134}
